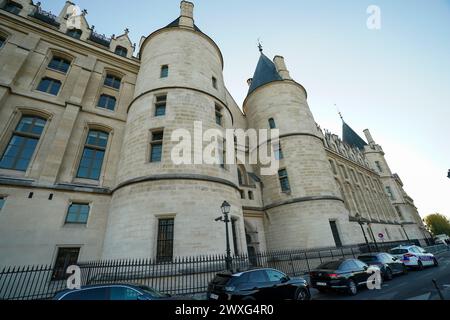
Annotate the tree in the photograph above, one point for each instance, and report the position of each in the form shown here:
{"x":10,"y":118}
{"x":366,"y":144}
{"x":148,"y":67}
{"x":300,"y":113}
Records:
{"x":438,"y":224}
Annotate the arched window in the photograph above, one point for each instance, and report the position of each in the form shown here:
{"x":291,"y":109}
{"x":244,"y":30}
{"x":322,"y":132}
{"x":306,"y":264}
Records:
{"x":59,"y":64}
{"x":239,"y":176}
{"x":121,"y":51}
{"x":2,"y":41}
{"x":112,"y":81}
{"x":272,"y":124}
{"x":107,"y":102}
{"x":75,"y":33}
{"x":23,"y":143}
{"x":49,"y":85}
{"x":13,"y":7}
{"x":93,"y":154}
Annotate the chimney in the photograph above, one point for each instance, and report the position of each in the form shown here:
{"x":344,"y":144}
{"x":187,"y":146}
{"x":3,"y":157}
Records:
{"x":369,"y":137}
{"x":249,"y":81}
{"x":281,"y":68}
{"x":187,"y":14}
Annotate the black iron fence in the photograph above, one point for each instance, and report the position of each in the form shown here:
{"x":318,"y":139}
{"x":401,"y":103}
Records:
{"x":181,"y":276}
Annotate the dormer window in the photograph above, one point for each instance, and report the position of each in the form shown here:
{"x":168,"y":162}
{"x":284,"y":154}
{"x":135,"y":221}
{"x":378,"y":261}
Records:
{"x":13,"y":7}
{"x":59,"y":64}
{"x":74,"y":33}
{"x":112,"y":81}
{"x":121,"y":51}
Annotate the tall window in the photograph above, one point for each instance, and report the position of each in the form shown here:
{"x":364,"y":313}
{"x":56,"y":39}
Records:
{"x":93,"y":154}
{"x":333,"y":167}
{"x":164,"y":246}
{"x":66,"y":257}
{"x":390,"y":193}
{"x":214,"y":82}
{"x":160,"y":106}
{"x":78,"y":213}
{"x":156,"y":146}
{"x":107,"y":102}
{"x":336,"y":236}
{"x":13,"y":7}
{"x":23,"y":143}
{"x":272,"y":124}
{"x":112,"y":81}
{"x":219,"y":115}
{"x":164,"y":71}
{"x":2,"y":202}
{"x":2,"y":41}
{"x":121,"y":51}
{"x":343,"y":171}
{"x":278,"y":152}
{"x":75,"y":33}
{"x":251,"y":195}
{"x":240,"y":180}
{"x":235,"y":233}
{"x":378,"y":164}
{"x":49,"y":85}
{"x":399,"y":212}
{"x":284,"y":180}
{"x":59,"y":64}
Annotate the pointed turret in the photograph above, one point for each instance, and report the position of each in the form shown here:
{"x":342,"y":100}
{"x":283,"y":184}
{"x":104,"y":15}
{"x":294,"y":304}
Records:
{"x":350,"y":137}
{"x":265,"y":72}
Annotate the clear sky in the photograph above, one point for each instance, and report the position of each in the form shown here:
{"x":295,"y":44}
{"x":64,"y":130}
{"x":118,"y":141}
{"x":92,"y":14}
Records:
{"x":394,"y":81}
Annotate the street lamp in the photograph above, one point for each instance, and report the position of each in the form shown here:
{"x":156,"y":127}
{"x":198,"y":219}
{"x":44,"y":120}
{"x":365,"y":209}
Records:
{"x":361,"y":223}
{"x":225,"y":207}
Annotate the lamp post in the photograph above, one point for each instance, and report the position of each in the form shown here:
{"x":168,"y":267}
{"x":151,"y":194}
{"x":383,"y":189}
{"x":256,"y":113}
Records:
{"x":361,"y":223}
{"x":225,"y":211}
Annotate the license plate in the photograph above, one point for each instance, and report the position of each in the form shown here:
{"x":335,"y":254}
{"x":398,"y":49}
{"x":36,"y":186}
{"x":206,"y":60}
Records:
{"x":214,"y":296}
{"x":321,"y":284}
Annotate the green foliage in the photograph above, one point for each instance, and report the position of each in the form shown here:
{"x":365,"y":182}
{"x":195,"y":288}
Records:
{"x":438,"y":224}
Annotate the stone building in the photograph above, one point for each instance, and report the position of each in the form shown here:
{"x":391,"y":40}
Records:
{"x":86,"y":170}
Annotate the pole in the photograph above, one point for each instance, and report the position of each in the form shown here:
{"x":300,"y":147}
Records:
{"x":373,"y":237}
{"x":228,"y":258}
{"x":406,"y":234}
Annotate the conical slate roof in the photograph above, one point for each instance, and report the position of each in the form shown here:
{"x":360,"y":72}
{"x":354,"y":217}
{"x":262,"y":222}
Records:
{"x":176,"y":23}
{"x":265,"y":72}
{"x":350,"y":137}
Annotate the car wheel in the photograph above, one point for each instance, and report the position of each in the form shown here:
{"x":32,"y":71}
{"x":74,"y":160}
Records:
{"x":435,"y":262}
{"x":352,"y":288}
{"x":388,"y":275}
{"x":420,"y":265}
{"x":302,"y":295}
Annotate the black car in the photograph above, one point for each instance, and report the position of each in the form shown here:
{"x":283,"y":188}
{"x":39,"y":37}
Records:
{"x":257,"y":284}
{"x":118,"y":292}
{"x":343,"y":275}
{"x":388,"y":264}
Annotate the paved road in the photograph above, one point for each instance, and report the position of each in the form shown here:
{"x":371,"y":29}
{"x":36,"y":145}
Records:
{"x":417,"y":285}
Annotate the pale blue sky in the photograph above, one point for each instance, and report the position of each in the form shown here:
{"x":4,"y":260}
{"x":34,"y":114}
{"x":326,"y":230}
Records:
{"x":395,"y":81}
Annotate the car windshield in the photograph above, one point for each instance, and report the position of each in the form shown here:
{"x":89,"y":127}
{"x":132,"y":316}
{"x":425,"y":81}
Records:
{"x":152,"y":292}
{"x":368,"y":258}
{"x":331,"y":265}
{"x":399,"y":251}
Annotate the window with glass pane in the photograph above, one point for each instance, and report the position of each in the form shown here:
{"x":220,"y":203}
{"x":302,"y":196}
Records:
{"x":74,"y":33}
{"x":2,"y":41}
{"x":107,"y":102}
{"x":112,"y":81}
{"x":272,"y":123}
{"x":160,"y":106}
{"x":284,"y":180}
{"x":164,"y":71}
{"x":49,"y":85}
{"x":164,"y":250}
{"x":121,"y":51}
{"x":93,"y":154}
{"x":156,"y":146}
{"x":2,"y":202}
{"x":214,"y":82}
{"x":13,"y":7}
{"x":378,"y":164}
{"x":66,"y":257}
{"x":278,"y":152}
{"x":219,"y":115}
{"x":234,"y":231}
{"x":23,"y":143}
{"x":59,"y":64}
{"x":78,"y":213}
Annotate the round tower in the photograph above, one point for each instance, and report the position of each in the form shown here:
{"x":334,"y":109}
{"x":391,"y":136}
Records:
{"x":161,"y":208}
{"x":303,"y":205}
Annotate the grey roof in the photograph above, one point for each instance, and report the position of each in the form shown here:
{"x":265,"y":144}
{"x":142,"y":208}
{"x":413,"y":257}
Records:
{"x":265,"y":72}
{"x":176,"y":23}
{"x":350,"y":137}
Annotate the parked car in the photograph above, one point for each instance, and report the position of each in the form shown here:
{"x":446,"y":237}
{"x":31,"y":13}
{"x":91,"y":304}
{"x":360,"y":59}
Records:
{"x":257,"y":284}
{"x":414,"y":256}
{"x":123,"y":292}
{"x":388,"y":264}
{"x":342,"y":275}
